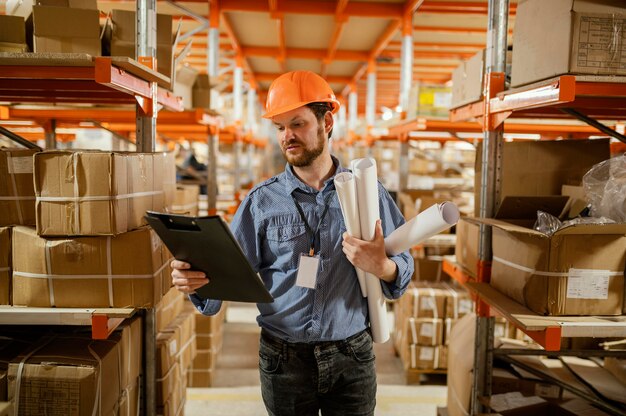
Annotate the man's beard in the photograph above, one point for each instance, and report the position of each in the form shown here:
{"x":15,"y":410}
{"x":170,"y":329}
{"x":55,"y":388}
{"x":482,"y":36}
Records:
{"x":308,"y":155}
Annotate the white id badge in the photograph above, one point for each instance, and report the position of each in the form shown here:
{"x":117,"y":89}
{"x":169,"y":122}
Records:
{"x":307,"y":271}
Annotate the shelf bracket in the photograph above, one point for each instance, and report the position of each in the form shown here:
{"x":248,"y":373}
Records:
{"x":102,"y":325}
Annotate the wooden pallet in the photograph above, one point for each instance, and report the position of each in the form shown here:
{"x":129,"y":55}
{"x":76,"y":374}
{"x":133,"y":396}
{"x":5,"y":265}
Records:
{"x":414,"y":375}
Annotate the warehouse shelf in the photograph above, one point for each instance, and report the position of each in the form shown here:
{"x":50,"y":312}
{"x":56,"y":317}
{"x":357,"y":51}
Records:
{"x":78,"y":78}
{"x":103,"y":321}
{"x":548,"y":331}
{"x":599,"y":97}
{"x":457,"y":272}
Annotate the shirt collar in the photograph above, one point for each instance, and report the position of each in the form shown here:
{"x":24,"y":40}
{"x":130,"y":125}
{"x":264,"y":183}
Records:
{"x":292,"y":182}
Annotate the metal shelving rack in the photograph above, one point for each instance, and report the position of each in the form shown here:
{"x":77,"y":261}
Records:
{"x":585,"y":98}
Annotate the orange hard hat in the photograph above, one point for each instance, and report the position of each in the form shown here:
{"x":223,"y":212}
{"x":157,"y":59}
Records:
{"x":298,"y":88}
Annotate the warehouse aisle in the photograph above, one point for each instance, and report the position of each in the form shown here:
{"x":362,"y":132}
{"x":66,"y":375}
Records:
{"x":236,"y":381}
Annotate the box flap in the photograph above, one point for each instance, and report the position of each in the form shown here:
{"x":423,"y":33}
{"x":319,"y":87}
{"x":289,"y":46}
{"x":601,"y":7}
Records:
{"x":599,"y":6}
{"x":12,"y":29}
{"x":619,"y":228}
{"x":526,"y":207}
{"x":506,"y":226}
{"x":52,"y":21}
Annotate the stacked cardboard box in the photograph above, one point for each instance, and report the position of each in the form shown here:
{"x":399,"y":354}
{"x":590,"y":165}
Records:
{"x":209,"y":337}
{"x":17,"y":195}
{"x":423,"y":317}
{"x":67,"y":374}
{"x":169,"y":308}
{"x":5,"y":266}
{"x":98,"y":193}
{"x":176,"y":350}
{"x":122,"y":271}
{"x":186,"y":201}
{"x":14,"y":341}
{"x":12,"y":34}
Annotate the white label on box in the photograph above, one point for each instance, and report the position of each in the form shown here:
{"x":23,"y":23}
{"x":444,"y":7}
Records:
{"x":23,"y":164}
{"x":428,"y":303}
{"x":427,"y":353}
{"x":588,"y":284}
{"x":549,"y":391}
{"x":426,"y":330}
{"x":173,"y":348}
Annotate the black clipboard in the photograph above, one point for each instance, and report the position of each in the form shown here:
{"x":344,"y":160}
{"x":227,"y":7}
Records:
{"x":208,"y":245}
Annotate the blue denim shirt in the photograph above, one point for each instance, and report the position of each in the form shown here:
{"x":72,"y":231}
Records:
{"x":272,"y":235}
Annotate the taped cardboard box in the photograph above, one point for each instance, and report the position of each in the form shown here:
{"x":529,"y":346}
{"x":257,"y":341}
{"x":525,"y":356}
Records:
{"x":201,"y":377}
{"x":69,"y":375}
{"x":540,"y":168}
{"x":186,"y":201}
{"x":17,"y":194}
{"x":427,"y":358}
{"x":201,"y":92}
{"x":458,"y":301}
{"x":585,"y":38}
{"x":122,"y":271}
{"x":424,"y":301}
{"x":96,"y":193}
{"x":169,"y":308}
{"x":47,"y":30}
{"x":579,"y":270}
{"x":129,"y":336}
{"x":119,"y":38}
{"x":423,"y":331}
{"x":5,"y":266}
{"x":130,"y":401}
{"x":12,"y":34}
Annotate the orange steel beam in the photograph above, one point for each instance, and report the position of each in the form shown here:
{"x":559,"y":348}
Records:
{"x":340,"y":20}
{"x":304,"y":53}
{"x":396,"y":44}
{"x":445,"y":7}
{"x":450,"y":29}
{"x":269,"y":77}
{"x":280,"y":25}
{"x":238,"y":49}
{"x":373,"y":9}
{"x":431,"y":54}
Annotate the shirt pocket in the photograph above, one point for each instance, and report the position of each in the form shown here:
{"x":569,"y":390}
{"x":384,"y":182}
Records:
{"x":286,"y":243}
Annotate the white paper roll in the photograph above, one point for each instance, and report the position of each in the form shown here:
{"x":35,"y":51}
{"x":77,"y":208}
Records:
{"x":346,"y":192}
{"x":435,"y":219}
{"x":365,"y":175}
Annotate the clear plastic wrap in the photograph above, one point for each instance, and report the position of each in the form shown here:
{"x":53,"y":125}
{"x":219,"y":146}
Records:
{"x":547,"y":223}
{"x":605,"y":189}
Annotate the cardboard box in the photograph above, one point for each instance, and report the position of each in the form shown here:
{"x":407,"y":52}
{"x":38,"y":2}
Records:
{"x":129,"y":402}
{"x":585,"y":38}
{"x":183,"y":88}
{"x":514,"y":404}
{"x":202,"y":92}
{"x":540,"y":168}
{"x":24,"y":8}
{"x":579,"y":270}
{"x":617,"y":367}
{"x":209,"y":330}
{"x":426,"y":358}
{"x":96,"y":193}
{"x":504,"y":381}
{"x":87,"y":272}
{"x":129,"y":336}
{"x":201,"y":377}
{"x":17,"y":195}
{"x":424,"y":331}
{"x":425,"y":301}
{"x":12,"y":34}
{"x":460,"y":363}
{"x":5,"y":266}
{"x":467,"y":80}
{"x":169,"y":308}
{"x":433,"y":101}
{"x":119,"y":38}
{"x":466,"y":250}
{"x":6,"y":409}
{"x":458,"y":302}
{"x":186,"y":201}
{"x":47,"y":30}
{"x":64,"y":375}
{"x":427,"y":269}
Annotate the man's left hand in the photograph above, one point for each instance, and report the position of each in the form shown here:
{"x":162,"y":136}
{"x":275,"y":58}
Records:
{"x":370,"y":256}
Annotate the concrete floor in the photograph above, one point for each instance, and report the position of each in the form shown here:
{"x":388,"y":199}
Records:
{"x":236,"y":388}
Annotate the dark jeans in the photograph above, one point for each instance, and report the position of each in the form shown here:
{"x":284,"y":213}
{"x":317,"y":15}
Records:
{"x":337,"y":377}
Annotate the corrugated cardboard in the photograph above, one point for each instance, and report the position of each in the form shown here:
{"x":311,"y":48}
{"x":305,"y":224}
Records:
{"x":169,"y":308}
{"x":585,"y":37}
{"x":458,"y":302}
{"x":504,"y":381}
{"x":577,"y":271}
{"x":122,"y":271}
{"x":540,"y":168}
{"x":24,"y":8}
{"x":47,"y":30}
{"x":426,"y":358}
{"x":200,"y":377}
{"x":209,"y":330}
{"x":424,"y":301}
{"x":424,"y":331}
{"x":427,"y":269}
{"x":17,"y":195}
{"x":129,"y":336}
{"x":466,"y":250}
{"x":514,"y":404}
{"x":97,"y":193}
{"x":202,"y":92}
{"x":119,"y":38}
{"x":5,"y":266}
{"x":12,"y":34}
{"x":71,"y":368}
{"x":617,"y":367}
{"x":183,"y":87}
{"x":186,"y":201}
{"x":460,"y":363}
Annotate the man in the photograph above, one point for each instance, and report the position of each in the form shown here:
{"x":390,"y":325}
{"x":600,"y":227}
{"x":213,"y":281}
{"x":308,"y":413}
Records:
{"x":316,"y":349}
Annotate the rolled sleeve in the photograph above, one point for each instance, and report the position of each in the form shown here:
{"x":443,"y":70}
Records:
{"x":391,"y":220}
{"x":205,"y":306}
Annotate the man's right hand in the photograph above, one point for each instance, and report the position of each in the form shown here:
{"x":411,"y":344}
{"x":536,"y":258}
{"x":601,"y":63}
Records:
{"x":185,"y":280}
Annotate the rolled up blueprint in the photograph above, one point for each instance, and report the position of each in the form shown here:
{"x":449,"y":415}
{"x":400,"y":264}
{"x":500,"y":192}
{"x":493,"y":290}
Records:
{"x":346,"y":192}
{"x":365,"y":176}
{"x":435,"y":219}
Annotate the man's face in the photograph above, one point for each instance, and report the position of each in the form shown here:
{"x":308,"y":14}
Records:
{"x":301,"y":138}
